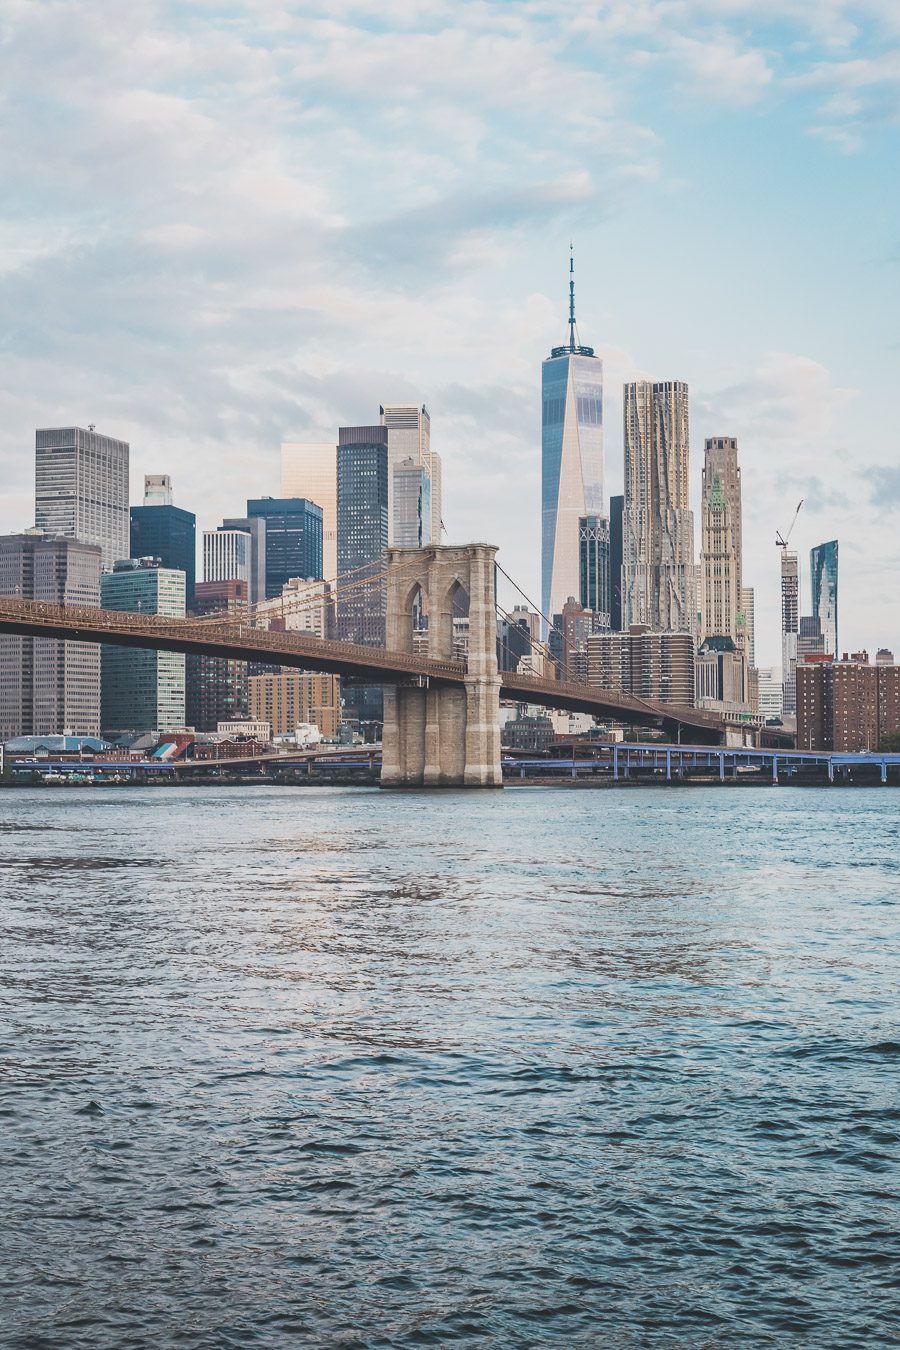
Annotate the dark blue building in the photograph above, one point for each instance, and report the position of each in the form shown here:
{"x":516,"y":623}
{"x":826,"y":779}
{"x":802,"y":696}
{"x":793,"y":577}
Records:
{"x":362,"y":537}
{"x":616,"y":513}
{"x":170,"y":534}
{"x":293,"y":539}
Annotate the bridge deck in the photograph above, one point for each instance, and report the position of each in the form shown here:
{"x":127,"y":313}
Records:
{"x":239,"y":640}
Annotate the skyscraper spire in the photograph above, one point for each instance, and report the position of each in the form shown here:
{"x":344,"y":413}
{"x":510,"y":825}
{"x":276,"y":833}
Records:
{"x":571,"y":296}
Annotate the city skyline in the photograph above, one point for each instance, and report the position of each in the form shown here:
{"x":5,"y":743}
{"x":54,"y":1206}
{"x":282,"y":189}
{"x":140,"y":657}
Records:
{"x":206,"y":326}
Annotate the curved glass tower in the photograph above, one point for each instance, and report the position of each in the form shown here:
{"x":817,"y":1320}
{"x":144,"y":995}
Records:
{"x":571,"y":460}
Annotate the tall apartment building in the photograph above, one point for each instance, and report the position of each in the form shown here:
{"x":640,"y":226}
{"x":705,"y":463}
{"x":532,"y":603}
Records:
{"x":309,"y":470}
{"x":161,"y":530}
{"x":659,"y":574}
{"x":593,"y":564}
{"x":823,"y":577}
{"x":846,"y":705}
{"x":216,"y":687}
{"x":571,"y":459}
{"x":720,"y":551}
{"x":658,"y":666}
{"x":49,"y":687}
{"x":227,"y":555}
{"x":142,"y":690}
{"x":292,"y":697}
{"x":790,"y":628}
{"x":409,"y":437}
{"x":81,"y":488}
{"x":294,"y":532}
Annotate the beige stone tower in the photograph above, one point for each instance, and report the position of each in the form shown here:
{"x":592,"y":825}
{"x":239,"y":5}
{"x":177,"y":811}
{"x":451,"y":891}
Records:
{"x":443,"y":736}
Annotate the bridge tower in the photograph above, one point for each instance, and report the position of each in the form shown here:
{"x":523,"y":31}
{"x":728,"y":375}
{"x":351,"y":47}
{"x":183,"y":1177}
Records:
{"x":443,"y":736}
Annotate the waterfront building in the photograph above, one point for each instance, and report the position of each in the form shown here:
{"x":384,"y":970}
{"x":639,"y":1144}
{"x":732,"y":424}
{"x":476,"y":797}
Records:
{"x":409,"y":437}
{"x":293,"y":547}
{"x":823,"y":577}
{"x":160,"y":530}
{"x":216,"y":687}
{"x":771,"y":692}
{"x":227,"y":555}
{"x":571,"y":459}
{"x":81,"y":488}
{"x":49,"y":687}
{"x":790,"y":627}
{"x":616,"y":513}
{"x":593,"y":562}
{"x":293,"y":698}
{"x":659,"y":575}
{"x":639,"y":662}
{"x":142,"y":690}
{"x":309,"y":470}
{"x":255,"y":527}
{"x":847,"y":705}
{"x":410,"y":505}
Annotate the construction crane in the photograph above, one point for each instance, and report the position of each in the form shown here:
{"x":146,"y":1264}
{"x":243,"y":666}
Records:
{"x":783,"y":542}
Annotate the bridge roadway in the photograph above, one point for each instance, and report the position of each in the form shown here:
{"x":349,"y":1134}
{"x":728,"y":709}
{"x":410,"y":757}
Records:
{"x":238,"y":640}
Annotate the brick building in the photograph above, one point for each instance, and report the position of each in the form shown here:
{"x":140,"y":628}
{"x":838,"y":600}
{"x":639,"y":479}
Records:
{"x":846,"y":705}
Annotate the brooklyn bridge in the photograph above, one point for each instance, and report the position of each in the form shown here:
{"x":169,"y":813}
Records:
{"x":441,"y":709}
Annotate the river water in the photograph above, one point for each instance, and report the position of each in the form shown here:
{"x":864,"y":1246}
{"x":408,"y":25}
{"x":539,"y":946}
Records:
{"x":291,"y":1067}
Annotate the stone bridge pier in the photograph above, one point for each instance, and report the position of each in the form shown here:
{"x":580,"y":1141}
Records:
{"x":443,"y":736}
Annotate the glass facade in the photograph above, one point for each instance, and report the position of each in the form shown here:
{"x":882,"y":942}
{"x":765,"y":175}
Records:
{"x":411,"y":505}
{"x":142,"y":690}
{"x":309,"y":469}
{"x":294,"y":539}
{"x":571,"y":465}
{"x":616,"y":513}
{"x":823,"y":571}
{"x":170,"y":534}
{"x":593,"y":542}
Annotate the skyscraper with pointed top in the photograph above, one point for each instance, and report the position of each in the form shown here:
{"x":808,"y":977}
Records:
{"x":571,"y":459}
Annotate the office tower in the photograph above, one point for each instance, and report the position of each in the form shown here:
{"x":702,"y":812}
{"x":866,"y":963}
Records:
{"x":161,"y":530}
{"x":216,"y":687}
{"x":142,"y":690}
{"x":293,"y":539}
{"x":157,"y":489}
{"x":309,"y":470}
{"x":256,"y":528}
{"x":593,"y":556}
{"x":658,"y":666}
{"x":81,"y":488}
{"x":790,"y":625}
{"x":771,"y":691}
{"x":293,"y":698}
{"x":720,"y":550}
{"x":810,"y":638}
{"x":49,"y":687}
{"x":227,"y":555}
{"x":410,"y":504}
{"x":823,"y":577}
{"x":409,"y":437}
{"x":616,"y":512}
{"x":571,"y":458}
{"x":362,"y":517}
{"x":658,"y":570}
{"x":846,"y":705}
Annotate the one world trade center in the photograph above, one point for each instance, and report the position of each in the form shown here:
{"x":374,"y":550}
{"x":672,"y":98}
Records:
{"x":571,"y":460}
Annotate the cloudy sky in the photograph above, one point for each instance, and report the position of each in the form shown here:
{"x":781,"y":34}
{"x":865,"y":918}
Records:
{"x":229,"y":222}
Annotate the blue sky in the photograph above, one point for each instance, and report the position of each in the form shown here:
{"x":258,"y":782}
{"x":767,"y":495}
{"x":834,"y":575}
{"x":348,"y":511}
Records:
{"x":227,"y":224}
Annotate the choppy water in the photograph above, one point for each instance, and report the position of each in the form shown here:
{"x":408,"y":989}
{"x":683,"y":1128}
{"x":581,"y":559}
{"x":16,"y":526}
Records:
{"x":336,"y":1067}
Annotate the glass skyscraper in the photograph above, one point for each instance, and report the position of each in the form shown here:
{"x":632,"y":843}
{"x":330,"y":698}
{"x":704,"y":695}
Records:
{"x":141,"y":690}
{"x":169,"y":533}
{"x":571,"y":459}
{"x":823,"y":572}
{"x":294,"y":536}
{"x":81,"y":488}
